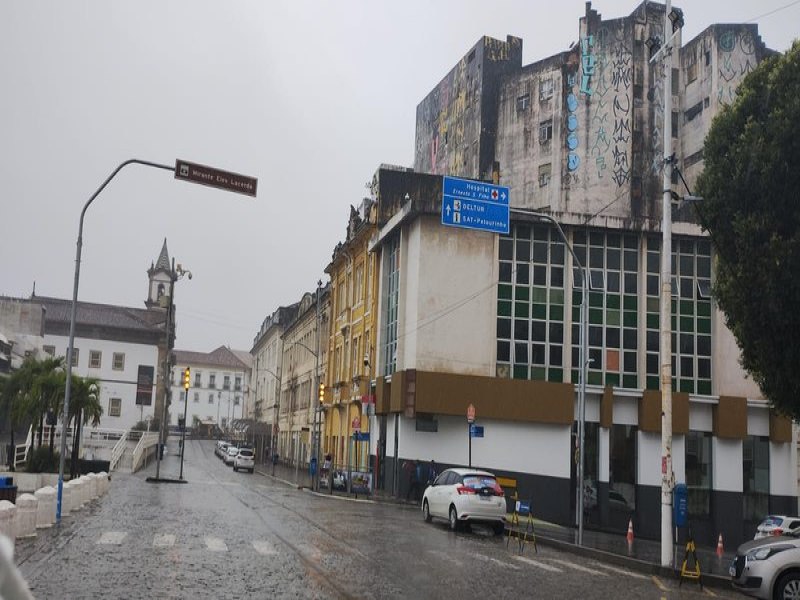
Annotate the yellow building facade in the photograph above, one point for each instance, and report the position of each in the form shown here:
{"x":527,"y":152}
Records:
{"x":351,"y":343}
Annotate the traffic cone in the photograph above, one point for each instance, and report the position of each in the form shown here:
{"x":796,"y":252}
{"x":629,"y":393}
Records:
{"x":630,"y":531}
{"x":720,"y":549}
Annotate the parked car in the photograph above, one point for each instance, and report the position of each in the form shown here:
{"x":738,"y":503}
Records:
{"x":245,"y":459}
{"x":776,"y":525}
{"x":769,"y":567}
{"x":464,"y":496}
{"x":221,"y":449}
{"x":230,"y":454}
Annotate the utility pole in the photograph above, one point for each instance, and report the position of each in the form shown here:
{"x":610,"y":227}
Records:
{"x":318,"y":403}
{"x":166,"y":377}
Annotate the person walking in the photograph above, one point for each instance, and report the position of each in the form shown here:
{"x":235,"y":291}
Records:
{"x":415,"y":482}
{"x":433,"y":472}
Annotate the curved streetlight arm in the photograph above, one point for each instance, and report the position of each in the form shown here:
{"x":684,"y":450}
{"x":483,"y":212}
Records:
{"x":73,"y":310}
{"x":583,"y":360}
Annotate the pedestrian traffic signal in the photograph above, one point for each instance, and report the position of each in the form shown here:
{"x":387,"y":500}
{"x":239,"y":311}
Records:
{"x":321,"y":393}
{"x":186,"y":379}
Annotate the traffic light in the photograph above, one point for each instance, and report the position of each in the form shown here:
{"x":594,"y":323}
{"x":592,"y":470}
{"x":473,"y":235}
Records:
{"x":186,"y":379}
{"x":321,"y":393}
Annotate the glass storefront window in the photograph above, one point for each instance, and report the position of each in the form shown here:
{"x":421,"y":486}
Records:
{"x":755,"y":470}
{"x":698,"y":472}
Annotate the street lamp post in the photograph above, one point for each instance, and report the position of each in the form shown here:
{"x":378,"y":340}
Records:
{"x":73,"y":310}
{"x":673,"y":22}
{"x":584,"y":362}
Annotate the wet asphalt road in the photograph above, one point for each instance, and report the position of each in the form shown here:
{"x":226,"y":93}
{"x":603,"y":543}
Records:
{"x":236,"y":535}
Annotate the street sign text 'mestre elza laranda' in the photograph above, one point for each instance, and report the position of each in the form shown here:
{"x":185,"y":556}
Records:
{"x":226,"y":180}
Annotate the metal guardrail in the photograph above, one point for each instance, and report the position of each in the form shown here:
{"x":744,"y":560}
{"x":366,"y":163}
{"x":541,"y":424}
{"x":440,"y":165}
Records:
{"x":147,"y":440}
{"x":118,"y":450}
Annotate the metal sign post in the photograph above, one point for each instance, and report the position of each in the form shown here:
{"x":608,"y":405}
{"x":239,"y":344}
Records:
{"x":470,"y":421}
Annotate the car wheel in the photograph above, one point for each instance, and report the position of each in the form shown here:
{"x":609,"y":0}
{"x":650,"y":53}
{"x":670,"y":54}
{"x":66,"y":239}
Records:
{"x":235,"y":469}
{"x":499,"y":528}
{"x":453,"y":519}
{"x":787,"y":587}
{"x":426,"y":512}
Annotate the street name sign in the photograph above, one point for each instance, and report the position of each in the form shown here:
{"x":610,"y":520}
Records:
{"x":475,"y":205}
{"x":225,"y":180}
{"x":475,"y":431}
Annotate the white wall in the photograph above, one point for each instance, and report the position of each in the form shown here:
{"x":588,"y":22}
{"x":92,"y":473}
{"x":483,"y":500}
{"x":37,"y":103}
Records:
{"x":727,"y":464}
{"x":757,"y":421}
{"x":649,"y":465}
{"x":626,"y":411}
{"x":521,"y":447}
{"x":114,"y":384}
{"x":700,"y":417}
{"x":782,"y":469}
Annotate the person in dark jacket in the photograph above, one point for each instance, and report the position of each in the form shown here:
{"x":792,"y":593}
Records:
{"x":415,"y":483}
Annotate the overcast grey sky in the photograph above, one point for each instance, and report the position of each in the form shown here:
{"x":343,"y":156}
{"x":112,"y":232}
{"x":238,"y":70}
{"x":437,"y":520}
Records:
{"x":309,"y":97}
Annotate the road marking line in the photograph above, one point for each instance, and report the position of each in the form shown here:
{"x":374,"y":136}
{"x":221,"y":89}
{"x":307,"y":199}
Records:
{"x":112,"y":537}
{"x":709,"y":592}
{"x":577,"y":567}
{"x":264,"y":547}
{"x":494,"y":560}
{"x":660,"y":585}
{"x":447,"y":557}
{"x":163,"y":540}
{"x":621,"y":571}
{"x":540,"y":565}
{"x":216,"y":544}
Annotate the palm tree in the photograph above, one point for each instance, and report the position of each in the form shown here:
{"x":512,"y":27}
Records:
{"x":33,"y":390}
{"x":84,"y":406}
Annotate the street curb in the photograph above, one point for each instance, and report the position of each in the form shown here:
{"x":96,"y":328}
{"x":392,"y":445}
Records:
{"x":634,"y":564}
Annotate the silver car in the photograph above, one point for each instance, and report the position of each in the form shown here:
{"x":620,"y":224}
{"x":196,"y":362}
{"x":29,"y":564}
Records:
{"x":768,"y":568}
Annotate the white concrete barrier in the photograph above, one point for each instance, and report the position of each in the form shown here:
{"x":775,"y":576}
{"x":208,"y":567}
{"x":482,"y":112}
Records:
{"x":25,"y":519}
{"x":75,"y":492}
{"x":7,"y":513}
{"x":104,"y":482}
{"x":86,"y":490}
{"x":67,"y":501}
{"x":46,"y":511}
{"x":93,"y":483}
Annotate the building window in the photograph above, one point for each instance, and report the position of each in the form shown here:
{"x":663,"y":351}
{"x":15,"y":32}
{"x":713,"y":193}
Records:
{"x":95,"y":359}
{"x":755,"y":471}
{"x":198,"y":380}
{"x":49,"y":350}
{"x":612,"y":261}
{"x":118,"y":361}
{"x":114,"y":407}
{"x":210,"y":398}
{"x":530,"y":304}
{"x":523,"y":102}
{"x":544,"y":174}
{"x":75,"y":356}
{"x":698,"y":472}
{"x":359,"y":293}
{"x":212,"y":379}
{"x":691,"y":315}
{"x":545,"y":89}
{"x":545,"y":131}
{"x":391,"y":303}
{"x":226,"y":382}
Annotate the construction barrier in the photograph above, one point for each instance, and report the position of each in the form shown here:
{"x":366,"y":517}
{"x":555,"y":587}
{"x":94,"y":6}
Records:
{"x":527,"y":535}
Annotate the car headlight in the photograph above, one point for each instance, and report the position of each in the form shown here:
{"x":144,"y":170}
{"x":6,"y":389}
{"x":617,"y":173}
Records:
{"x":767,"y":551}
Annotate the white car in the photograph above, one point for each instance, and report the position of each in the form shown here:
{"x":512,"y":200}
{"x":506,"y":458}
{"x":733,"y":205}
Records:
{"x":245,"y":459}
{"x":768,"y":568}
{"x":465,"y":496}
{"x":221,"y":449}
{"x":230,"y":454}
{"x":776,"y":525}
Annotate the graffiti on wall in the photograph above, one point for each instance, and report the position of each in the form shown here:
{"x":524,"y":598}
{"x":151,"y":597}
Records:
{"x":736,"y":59}
{"x":587,"y":64}
{"x":600,"y":125}
{"x":621,"y":80}
{"x":657,"y":102}
{"x":573,"y":160}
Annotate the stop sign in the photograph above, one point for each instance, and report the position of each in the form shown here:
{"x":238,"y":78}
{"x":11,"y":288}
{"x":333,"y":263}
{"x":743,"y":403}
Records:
{"x":470,"y":414}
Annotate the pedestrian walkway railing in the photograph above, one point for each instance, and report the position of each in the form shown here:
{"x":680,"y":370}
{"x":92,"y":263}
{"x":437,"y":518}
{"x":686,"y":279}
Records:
{"x":21,"y":450}
{"x":118,"y":450}
{"x":146,"y":441}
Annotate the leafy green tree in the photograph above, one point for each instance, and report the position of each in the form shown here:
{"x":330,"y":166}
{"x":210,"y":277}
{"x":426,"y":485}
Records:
{"x":84,"y":407}
{"x":751,"y":208}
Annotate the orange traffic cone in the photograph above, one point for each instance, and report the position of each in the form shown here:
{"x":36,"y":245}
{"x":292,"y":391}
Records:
{"x":630,"y":531}
{"x":720,"y":549}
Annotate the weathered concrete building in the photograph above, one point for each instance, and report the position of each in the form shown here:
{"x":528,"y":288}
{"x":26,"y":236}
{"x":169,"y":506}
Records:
{"x":472,"y":317}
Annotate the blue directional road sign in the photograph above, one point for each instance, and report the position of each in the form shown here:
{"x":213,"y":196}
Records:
{"x":475,"y":205}
{"x":476,"y":431}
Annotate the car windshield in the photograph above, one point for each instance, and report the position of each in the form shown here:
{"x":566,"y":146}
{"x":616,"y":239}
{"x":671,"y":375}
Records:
{"x":772,"y":521}
{"x":479,"y":481}
{"x":246,"y":453}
